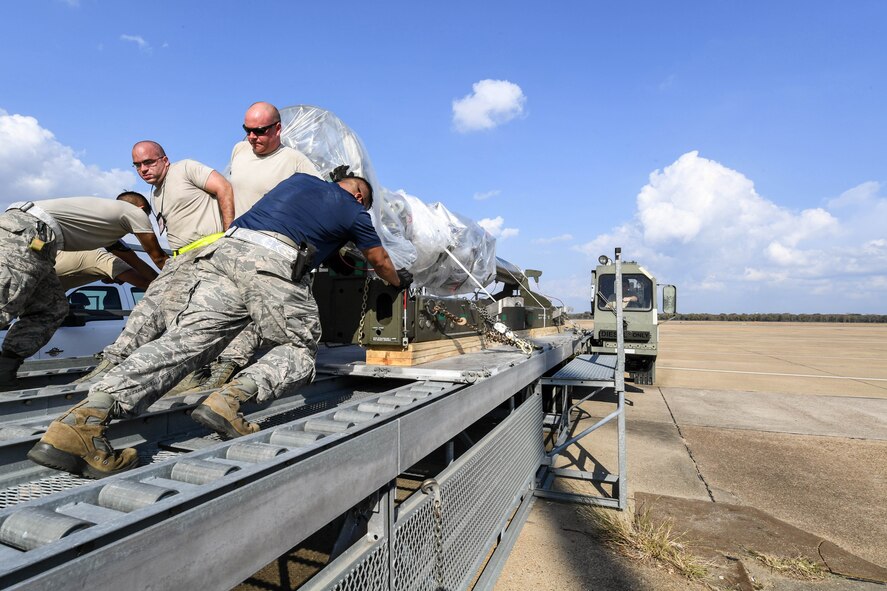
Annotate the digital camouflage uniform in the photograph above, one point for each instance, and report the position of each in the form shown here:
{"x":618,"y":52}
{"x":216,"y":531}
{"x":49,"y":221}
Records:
{"x":168,"y":295}
{"x":189,"y":214}
{"x":29,"y":287}
{"x":235,"y":282}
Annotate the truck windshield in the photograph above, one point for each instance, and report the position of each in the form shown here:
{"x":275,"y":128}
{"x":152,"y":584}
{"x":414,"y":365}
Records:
{"x":637,"y":291}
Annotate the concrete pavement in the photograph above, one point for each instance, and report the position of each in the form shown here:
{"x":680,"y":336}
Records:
{"x":783,"y":421}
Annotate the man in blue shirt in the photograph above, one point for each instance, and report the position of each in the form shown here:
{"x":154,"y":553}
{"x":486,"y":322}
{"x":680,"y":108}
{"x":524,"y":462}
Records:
{"x":258,"y":272}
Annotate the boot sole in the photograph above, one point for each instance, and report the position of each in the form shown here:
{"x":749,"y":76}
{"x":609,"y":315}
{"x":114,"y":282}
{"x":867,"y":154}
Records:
{"x":215,"y":422}
{"x":50,"y":457}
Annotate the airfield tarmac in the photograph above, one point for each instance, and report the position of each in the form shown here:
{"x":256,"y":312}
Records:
{"x":766,"y":437}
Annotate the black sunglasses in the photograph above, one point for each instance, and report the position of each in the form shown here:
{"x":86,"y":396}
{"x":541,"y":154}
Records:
{"x":259,"y":130}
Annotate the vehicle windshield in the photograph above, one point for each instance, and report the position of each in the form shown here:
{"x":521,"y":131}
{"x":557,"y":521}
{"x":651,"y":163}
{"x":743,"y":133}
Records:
{"x":637,"y":291}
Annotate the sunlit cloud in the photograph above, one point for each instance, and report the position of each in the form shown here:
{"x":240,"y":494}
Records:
{"x":35,"y":165}
{"x":491,"y":103}
{"x":704,"y":226}
{"x":495,"y":227}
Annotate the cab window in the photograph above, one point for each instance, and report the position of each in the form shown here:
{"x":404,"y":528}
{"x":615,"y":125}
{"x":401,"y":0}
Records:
{"x":637,"y":291}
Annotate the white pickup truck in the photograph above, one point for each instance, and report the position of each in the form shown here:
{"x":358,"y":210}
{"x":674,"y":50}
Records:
{"x":98,"y":314}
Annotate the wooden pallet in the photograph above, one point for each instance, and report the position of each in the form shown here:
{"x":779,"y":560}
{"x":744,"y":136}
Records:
{"x":418,"y":353}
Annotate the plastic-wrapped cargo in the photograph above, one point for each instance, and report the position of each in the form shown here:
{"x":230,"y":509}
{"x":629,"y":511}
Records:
{"x":415,"y":235}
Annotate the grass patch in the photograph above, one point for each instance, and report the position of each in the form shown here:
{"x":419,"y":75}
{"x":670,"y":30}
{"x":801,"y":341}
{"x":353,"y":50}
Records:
{"x":798,"y":567}
{"x":635,"y":535}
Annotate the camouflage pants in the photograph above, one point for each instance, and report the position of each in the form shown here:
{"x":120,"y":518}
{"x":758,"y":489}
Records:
{"x":29,"y":287}
{"x":236,"y":282}
{"x":164,"y":299}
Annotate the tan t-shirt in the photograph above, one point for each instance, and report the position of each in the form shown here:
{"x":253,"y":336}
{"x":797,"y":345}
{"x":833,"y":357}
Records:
{"x":94,"y":222}
{"x":252,"y":176}
{"x":79,"y":267}
{"x":188,"y":211}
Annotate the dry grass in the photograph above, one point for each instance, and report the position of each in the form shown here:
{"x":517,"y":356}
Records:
{"x":635,"y":535}
{"x":798,"y":567}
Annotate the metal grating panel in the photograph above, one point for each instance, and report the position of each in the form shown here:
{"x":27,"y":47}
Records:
{"x":595,"y":367}
{"x":36,"y":489}
{"x":59,"y":481}
{"x":478,"y":494}
{"x":371,"y":574}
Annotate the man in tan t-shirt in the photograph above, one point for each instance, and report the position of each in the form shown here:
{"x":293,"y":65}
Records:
{"x":258,"y":164}
{"x":261,"y":161}
{"x":194,"y":205}
{"x":31,"y":234}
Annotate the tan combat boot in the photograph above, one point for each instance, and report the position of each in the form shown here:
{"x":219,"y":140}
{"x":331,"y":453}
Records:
{"x":220,"y":411}
{"x":76,"y":443}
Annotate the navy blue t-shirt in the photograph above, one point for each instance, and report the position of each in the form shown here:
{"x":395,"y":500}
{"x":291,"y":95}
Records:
{"x":308,"y":209}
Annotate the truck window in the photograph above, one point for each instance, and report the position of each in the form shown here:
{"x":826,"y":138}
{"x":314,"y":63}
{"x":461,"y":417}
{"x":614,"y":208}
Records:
{"x":95,"y":298}
{"x":137,"y":294}
{"x":637,"y":289}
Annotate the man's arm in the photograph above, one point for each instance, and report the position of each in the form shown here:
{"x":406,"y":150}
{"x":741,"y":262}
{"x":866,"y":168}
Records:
{"x":382,"y":265}
{"x":134,"y":277}
{"x":139,"y":266}
{"x":148,"y":240}
{"x":217,"y":185}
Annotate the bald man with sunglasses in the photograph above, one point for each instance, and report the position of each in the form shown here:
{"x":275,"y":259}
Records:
{"x":261,"y":161}
{"x":258,"y":164}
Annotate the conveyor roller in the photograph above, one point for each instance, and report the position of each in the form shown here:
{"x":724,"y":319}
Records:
{"x":32,"y":527}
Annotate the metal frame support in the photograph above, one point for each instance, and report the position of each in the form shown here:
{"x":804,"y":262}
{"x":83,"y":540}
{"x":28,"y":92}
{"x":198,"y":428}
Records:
{"x":606,"y":374}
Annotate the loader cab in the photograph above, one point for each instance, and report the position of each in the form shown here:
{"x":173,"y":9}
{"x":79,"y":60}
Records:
{"x":639,"y":312}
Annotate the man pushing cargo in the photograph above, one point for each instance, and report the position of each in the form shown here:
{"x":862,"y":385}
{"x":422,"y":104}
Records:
{"x":257,"y":273}
{"x":31,"y":234}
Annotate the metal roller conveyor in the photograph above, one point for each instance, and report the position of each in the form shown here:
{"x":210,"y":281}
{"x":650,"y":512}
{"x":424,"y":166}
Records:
{"x":294,"y":438}
{"x":376,"y":408}
{"x":253,"y":453}
{"x":195,"y":471}
{"x":396,"y":400}
{"x":31,"y":528}
{"x":327,"y":426}
{"x":364,"y":429}
{"x":127,"y":496}
{"x":355,"y":416}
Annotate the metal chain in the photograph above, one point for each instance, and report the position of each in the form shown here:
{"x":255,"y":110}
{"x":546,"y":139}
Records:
{"x":496,"y":331}
{"x":432,"y":487}
{"x":503,"y":331}
{"x":363,"y":310}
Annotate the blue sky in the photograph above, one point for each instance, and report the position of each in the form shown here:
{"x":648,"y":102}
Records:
{"x":736,"y":149}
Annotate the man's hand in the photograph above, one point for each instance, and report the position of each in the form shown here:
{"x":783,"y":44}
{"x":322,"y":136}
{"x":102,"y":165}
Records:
{"x":405,"y":277}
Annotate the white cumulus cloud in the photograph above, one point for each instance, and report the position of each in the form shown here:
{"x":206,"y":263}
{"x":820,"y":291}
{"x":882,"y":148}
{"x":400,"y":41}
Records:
{"x":494,"y":227}
{"x":35,"y":165}
{"x":703,"y":226}
{"x":491,"y":103}
{"x":143,"y":45}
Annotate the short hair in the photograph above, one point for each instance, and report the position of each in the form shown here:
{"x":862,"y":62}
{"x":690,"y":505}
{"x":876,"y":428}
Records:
{"x":368,"y":197}
{"x":136,"y":199}
{"x":157,"y":146}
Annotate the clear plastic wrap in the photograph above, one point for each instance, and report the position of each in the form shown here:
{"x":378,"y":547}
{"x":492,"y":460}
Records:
{"x":415,"y":235}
